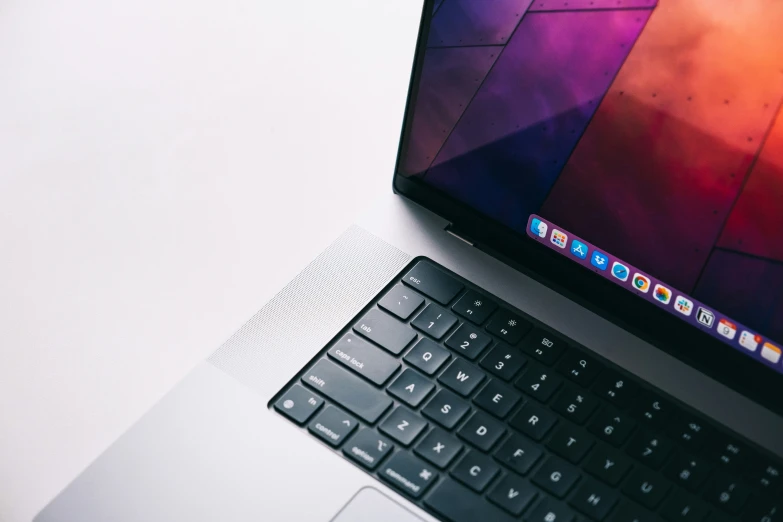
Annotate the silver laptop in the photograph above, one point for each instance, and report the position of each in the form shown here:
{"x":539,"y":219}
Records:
{"x":570,"y":308}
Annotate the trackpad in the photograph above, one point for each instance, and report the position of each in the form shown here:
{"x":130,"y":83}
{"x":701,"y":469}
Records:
{"x":371,"y":504}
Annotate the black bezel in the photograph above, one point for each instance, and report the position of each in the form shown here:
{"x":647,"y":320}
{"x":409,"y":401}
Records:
{"x":640,"y":317}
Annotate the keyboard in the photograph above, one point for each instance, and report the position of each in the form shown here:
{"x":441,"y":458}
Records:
{"x":477,"y":412}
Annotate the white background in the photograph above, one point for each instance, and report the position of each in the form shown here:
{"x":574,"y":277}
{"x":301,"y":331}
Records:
{"x":165,"y":167}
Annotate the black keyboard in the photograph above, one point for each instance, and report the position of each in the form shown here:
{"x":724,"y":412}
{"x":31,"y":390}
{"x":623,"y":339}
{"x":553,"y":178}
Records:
{"x":478,"y":412}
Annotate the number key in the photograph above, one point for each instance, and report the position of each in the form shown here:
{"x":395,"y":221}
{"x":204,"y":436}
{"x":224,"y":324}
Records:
{"x":539,"y":382}
{"x":468,"y":341}
{"x":649,"y":448}
{"x":612,"y":426}
{"x":575,"y":405}
{"x":503,"y":361}
{"x":434,"y":321}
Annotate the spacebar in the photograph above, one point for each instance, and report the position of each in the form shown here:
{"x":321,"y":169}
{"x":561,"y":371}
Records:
{"x":458,"y":504}
{"x":347,"y":390}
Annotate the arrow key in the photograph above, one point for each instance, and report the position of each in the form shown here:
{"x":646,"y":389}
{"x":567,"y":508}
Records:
{"x":333,"y":425}
{"x":513,"y":494}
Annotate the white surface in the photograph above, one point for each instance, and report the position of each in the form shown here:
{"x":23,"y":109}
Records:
{"x":165,"y":167}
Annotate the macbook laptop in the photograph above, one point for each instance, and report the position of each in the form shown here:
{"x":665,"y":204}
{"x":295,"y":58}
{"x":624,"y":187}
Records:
{"x":570,"y":307}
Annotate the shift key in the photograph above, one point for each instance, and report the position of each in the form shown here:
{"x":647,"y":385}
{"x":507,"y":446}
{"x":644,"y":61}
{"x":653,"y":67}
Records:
{"x":384,"y":330}
{"x":347,"y":390}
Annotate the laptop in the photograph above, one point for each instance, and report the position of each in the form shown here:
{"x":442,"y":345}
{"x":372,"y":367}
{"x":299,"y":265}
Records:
{"x":570,"y":307}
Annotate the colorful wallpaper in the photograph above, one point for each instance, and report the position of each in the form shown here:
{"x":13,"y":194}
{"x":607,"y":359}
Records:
{"x":652,"y":128}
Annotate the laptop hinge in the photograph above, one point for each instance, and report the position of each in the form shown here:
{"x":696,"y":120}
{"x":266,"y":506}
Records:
{"x":459,"y":235}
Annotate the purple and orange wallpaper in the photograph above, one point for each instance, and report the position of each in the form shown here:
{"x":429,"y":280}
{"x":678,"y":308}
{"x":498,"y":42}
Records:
{"x":652,"y":128}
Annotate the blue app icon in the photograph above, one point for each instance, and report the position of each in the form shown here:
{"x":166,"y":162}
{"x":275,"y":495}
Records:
{"x":599,"y":260}
{"x":620,"y":271}
{"x":579,"y":249}
{"x":538,"y":227}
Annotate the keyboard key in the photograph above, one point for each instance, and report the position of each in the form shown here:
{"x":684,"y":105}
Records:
{"x":652,"y":409}
{"x":408,"y":474}
{"x":534,"y":421}
{"x":347,"y":390}
{"x":401,"y":301}
{"x":579,"y":367}
{"x":368,"y":448}
{"x":649,"y":448}
{"x":615,"y":388}
{"x":539,"y":382}
{"x":681,"y":507}
{"x":333,"y":425}
{"x":543,"y":346}
{"x":438,"y":447}
{"x":364,"y":358}
{"x":575,"y":404}
{"x":434,"y":321}
{"x":728,"y":494}
{"x":456,"y":503}
{"x":482,"y":431}
{"x":427,"y":356}
{"x":612,"y":426}
{"x":630,"y":512}
{"x":385,"y":331}
{"x":446,"y":409}
{"x":766,"y":510}
{"x":556,"y":477}
{"x":474,"y":307}
{"x":688,"y":471}
{"x":513,"y":493}
{"x":497,"y":398}
{"x":475,"y":471}
{"x":594,"y":499}
{"x":549,"y":510}
{"x":519,"y":453}
{"x":298,"y":404}
{"x":433,"y":282}
{"x":507,"y":326}
{"x":689,"y":431}
{"x":571,"y":443}
{"x":403,"y":425}
{"x":468,"y":341}
{"x":607,"y":465}
{"x":646,"y":488}
{"x":411,"y":387}
{"x":503,"y":361}
{"x":764,"y":475}
{"x":726,"y":453}
{"x":462,"y":377}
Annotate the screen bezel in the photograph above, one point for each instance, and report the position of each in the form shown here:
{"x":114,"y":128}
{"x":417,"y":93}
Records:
{"x":696,"y":348}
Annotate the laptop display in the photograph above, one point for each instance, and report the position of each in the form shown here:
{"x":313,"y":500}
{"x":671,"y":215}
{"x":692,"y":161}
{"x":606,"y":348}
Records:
{"x":649,"y":132}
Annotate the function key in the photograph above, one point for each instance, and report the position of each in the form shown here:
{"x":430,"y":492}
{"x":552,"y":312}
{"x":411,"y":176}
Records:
{"x":689,"y":431}
{"x":298,"y":404}
{"x":543,"y":346}
{"x":468,"y":341}
{"x":384,"y":330}
{"x":764,"y":475}
{"x":333,"y":425}
{"x":407,"y":473}
{"x":726,"y":453}
{"x":401,"y":301}
{"x":579,"y":367}
{"x":474,"y":307}
{"x":427,"y":356}
{"x":650,"y":408}
{"x":615,"y":388}
{"x":434,"y":321}
{"x":503,"y":361}
{"x":507,"y":326}
{"x":462,"y":377}
{"x":446,"y":409}
{"x":368,"y":448}
{"x":513,"y":494}
{"x":364,"y":358}
{"x":433,"y":282}
{"x":539,"y":382}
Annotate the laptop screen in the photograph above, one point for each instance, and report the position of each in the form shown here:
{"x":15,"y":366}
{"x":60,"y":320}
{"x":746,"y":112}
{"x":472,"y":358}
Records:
{"x":641,"y":138}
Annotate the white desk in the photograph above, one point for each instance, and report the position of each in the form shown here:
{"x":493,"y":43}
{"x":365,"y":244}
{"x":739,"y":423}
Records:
{"x":165,"y":168}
